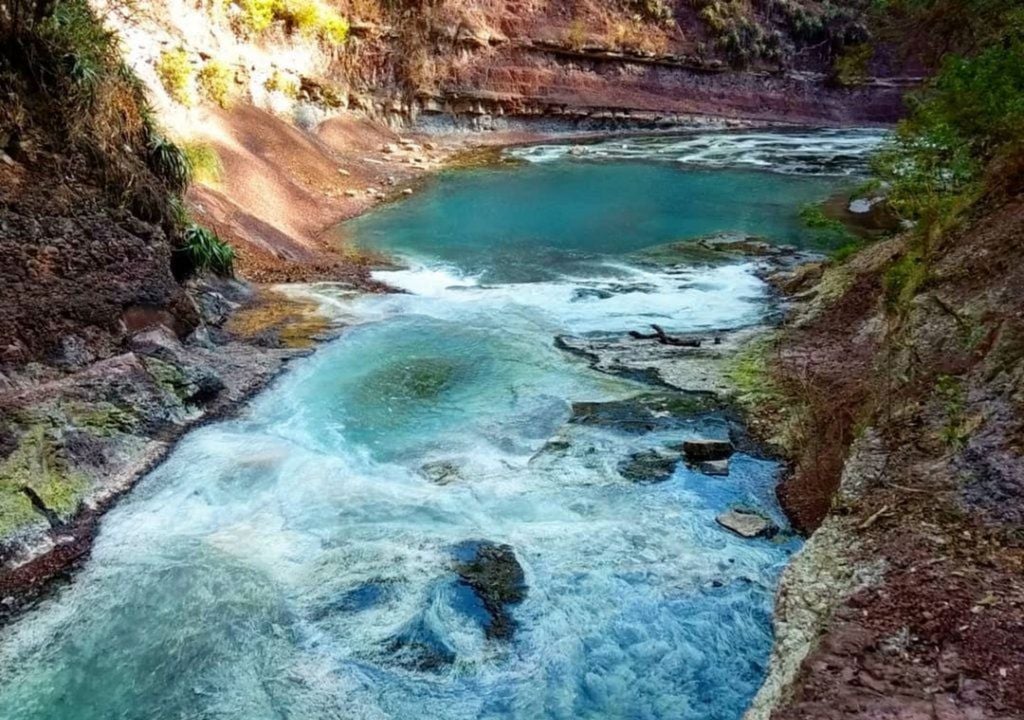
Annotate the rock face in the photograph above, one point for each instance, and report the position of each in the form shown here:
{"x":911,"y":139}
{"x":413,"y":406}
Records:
{"x":746,"y":523}
{"x":701,"y":449}
{"x":494,"y":574}
{"x":649,"y":466}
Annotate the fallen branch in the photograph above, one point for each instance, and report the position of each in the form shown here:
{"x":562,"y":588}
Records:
{"x":664,"y":338}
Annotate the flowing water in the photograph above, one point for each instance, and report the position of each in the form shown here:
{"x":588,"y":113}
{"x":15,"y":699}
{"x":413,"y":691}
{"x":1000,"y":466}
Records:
{"x":296,"y":562}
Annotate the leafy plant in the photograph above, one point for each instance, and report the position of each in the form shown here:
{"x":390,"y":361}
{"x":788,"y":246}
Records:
{"x":168,"y":161}
{"x":215,"y":80}
{"x":279,"y":82}
{"x":175,"y":71}
{"x":207,"y":252}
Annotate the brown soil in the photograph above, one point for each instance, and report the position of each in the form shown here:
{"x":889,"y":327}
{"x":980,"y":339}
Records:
{"x":941,"y":636}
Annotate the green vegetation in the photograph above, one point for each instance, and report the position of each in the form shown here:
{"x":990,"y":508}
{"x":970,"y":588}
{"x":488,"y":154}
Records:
{"x":957,"y":430}
{"x":36,"y":463}
{"x":204,"y":162}
{"x":311,"y":18}
{"x":282,"y":83}
{"x":215,"y":81}
{"x":828,"y":231}
{"x":170,"y":162}
{"x":851,"y":67}
{"x":175,"y":71}
{"x":964,"y":140}
{"x":207,"y":252}
{"x":256,"y":15}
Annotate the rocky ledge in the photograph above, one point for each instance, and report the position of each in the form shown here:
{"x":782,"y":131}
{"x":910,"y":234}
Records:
{"x":74,"y":442}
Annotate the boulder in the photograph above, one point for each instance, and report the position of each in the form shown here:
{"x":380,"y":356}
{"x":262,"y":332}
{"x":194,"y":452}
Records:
{"x":649,"y":466}
{"x":718,"y":468}
{"x":700,"y":449}
{"x":747,"y":523}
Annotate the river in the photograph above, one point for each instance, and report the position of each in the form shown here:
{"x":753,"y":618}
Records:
{"x":302,"y":560}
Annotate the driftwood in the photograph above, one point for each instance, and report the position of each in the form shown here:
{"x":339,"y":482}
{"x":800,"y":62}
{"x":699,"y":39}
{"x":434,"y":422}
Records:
{"x":664,"y":338}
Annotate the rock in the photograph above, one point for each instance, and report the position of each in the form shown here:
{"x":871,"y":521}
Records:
{"x":352,"y":193}
{"x":747,"y":523}
{"x":649,"y":466}
{"x":407,"y":191}
{"x":718,"y":468}
{"x":590,"y":294}
{"x":701,"y":449}
{"x":862,"y":206}
{"x":389,"y":148}
{"x":494,"y":574}
{"x":214,"y":308}
{"x":641,"y":413}
{"x":74,"y":353}
{"x":430,"y":146}
{"x":343,"y":172}
{"x":441,"y":472}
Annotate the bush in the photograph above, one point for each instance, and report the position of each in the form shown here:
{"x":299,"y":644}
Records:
{"x":215,"y":81}
{"x":313,"y":19}
{"x":256,"y":15}
{"x":207,"y":252}
{"x":279,"y":82}
{"x":971,"y":114}
{"x":175,"y":71}
{"x":204,"y":162}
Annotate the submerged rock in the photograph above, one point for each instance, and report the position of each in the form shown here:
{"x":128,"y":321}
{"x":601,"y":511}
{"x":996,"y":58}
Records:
{"x":718,"y":468}
{"x":701,"y":449}
{"x":419,"y":647}
{"x":495,"y":576}
{"x":642,"y":413}
{"x":441,"y":472}
{"x":747,"y":523}
{"x":649,"y":466}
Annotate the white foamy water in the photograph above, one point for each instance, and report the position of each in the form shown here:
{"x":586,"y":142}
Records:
{"x":818,"y":152}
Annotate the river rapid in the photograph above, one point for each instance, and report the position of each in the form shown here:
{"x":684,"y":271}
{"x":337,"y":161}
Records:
{"x":307,"y":559}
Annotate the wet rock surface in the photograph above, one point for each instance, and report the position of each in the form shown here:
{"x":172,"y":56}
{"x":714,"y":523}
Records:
{"x":747,"y":523}
{"x":493,"y":573}
{"x":701,"y":449}
{"x":644,"y":413}
{"x":72,"y":443}
{"x":649,"y":466}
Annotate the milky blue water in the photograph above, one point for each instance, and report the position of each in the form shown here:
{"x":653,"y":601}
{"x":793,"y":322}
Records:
{"x":290,"y":562}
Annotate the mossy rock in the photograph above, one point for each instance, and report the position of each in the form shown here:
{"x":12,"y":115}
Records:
{"x":36,"y":462}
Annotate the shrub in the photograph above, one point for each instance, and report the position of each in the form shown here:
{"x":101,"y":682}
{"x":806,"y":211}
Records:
{"x":282,"y":83}
{"x":215,"y":80}
{"x":313,"y":19}
{"x":175,"y":71}
{"x":207,"y":252}
{"x":203,"y":161}
{"x":256,"y":15}
{"x":851,"y":67}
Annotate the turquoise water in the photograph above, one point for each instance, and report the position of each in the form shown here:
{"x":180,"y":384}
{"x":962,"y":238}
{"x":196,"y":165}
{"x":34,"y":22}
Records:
{"x":542,"y":221}
{"x":297,"y":562}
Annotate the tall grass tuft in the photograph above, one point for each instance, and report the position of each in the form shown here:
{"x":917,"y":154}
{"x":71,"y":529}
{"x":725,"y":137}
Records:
{"x":207,"y":252}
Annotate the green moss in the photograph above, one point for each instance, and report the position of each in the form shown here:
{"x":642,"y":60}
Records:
{"x":101,"y":418}
{"x":169,"y":377}
{"x":36,"y":463}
